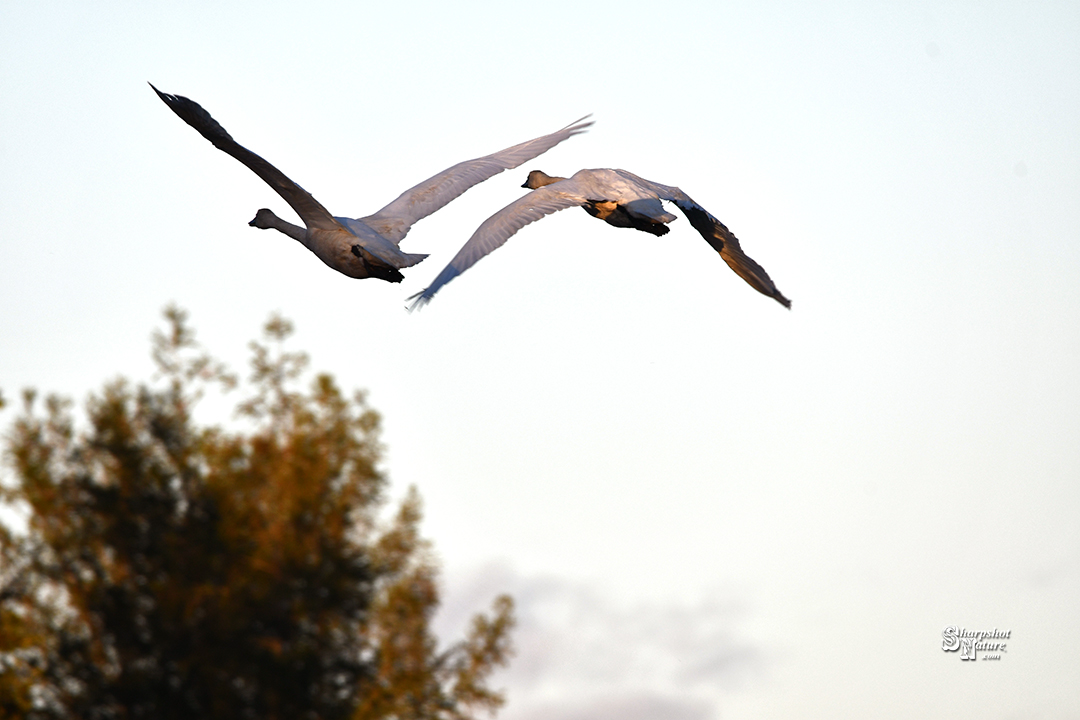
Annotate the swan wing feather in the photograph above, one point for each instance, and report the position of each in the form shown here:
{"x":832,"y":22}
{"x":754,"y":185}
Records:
{"x":307,"y":207}
{"x":419,"y":201}
{"x":498,"y":228}
{"x":719,"y":237}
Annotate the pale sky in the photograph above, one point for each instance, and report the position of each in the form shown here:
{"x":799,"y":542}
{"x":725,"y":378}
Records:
{"x":707,"y":506}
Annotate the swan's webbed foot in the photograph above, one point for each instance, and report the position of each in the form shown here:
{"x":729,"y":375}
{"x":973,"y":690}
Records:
{"x":382,"y":272}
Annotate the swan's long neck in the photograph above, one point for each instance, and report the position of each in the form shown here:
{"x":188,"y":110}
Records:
{"x":266,"y":219}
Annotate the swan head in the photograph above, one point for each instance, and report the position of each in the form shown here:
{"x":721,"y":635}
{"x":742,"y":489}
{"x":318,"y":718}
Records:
{"x":264,"y":220}
{"x":539,"y":178}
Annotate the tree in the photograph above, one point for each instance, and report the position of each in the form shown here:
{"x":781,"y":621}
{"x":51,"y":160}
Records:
{"x":172,"y":570}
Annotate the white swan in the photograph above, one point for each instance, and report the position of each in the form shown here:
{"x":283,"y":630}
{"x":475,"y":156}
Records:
{"x":368,"y":246}
{"x":618,"y":197}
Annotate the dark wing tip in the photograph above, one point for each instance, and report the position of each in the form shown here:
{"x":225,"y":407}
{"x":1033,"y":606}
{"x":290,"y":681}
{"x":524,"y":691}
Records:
{"x":725,"y":243}
{"x":423,"y":297}
{"x":419,"y":300}
{"x":171,"y":100}
{"x":195,"y":115}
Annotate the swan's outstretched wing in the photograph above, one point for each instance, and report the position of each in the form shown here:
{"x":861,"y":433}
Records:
{"x":394,"y":220}
{"x":498,"y":228}
{"x":722,"y":239}
{"x":308,"y":208}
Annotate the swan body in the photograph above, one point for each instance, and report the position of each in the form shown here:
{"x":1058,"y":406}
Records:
{"x":617,"y":197}
{"x":366,"y":247}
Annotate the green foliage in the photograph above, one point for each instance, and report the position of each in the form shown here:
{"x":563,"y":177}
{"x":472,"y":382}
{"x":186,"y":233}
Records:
{"x":174,"y":571}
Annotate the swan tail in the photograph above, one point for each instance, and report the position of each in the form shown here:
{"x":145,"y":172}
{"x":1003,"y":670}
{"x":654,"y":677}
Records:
{"x":410,"y":259}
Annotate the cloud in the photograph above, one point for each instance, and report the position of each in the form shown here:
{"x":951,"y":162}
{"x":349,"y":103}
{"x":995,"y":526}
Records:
{"x":580,"y":654}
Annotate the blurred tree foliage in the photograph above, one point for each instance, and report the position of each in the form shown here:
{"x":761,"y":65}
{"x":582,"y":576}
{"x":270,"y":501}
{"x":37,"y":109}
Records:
{"x":177,"y":571}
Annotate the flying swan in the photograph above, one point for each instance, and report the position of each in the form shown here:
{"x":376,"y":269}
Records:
{"x":617,"y":197}
{"x":368,"y":246}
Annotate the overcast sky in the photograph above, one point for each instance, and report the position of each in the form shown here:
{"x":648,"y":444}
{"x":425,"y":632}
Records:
{"x":706,"y":505}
